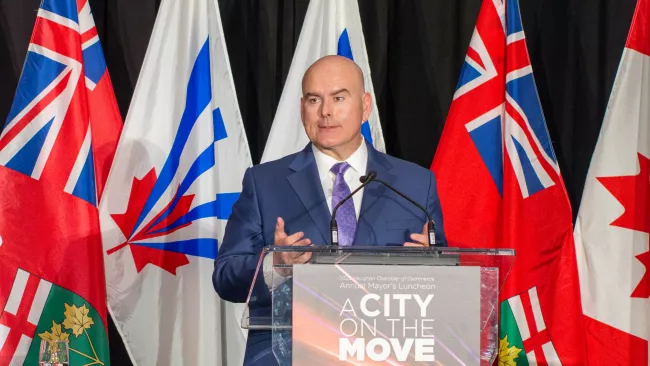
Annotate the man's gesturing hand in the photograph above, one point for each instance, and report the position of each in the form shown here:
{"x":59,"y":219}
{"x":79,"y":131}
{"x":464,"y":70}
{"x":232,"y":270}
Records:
{"x":296,"y":240}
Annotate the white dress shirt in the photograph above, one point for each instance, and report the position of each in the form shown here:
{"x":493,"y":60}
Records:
{"x":358,"y":163}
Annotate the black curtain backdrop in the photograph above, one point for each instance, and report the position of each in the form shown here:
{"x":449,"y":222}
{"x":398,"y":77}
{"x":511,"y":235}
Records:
{"x":416,"y":49}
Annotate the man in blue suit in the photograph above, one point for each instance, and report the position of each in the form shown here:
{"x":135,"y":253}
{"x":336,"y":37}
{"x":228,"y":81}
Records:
{"x":289,"y":201}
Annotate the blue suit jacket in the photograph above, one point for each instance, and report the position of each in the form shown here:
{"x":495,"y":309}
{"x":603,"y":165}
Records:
{"x":290,"y":188}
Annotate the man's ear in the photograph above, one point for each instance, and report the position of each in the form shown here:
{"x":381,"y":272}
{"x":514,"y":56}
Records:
{"x":302,"y":110}
{"x":367,"y":106}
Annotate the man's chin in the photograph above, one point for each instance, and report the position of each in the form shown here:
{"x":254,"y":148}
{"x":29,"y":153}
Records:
{"x":327,"y":144}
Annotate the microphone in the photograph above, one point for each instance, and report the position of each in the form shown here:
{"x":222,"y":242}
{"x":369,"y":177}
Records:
{"x":431,"y":226}
{"x":334,"y":229}
{"x":371,"y":176}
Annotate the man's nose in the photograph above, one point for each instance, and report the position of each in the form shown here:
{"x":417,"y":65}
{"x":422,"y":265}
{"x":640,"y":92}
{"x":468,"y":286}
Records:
{"x":326,"y":108}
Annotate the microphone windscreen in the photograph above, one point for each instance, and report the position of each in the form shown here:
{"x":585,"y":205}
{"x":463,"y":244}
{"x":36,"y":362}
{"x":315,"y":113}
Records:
{"x":370,"y":175}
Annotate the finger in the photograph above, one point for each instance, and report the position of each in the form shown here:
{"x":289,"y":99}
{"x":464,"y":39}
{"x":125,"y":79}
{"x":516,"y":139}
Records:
{"x":301,"y":243}
{"x":420,"y":238}
{"x":425,"y":229}
{"x":291,"y":239}
{"x":409,"y":244}
{"x":302,"y":258}
{"x":279,"y":229}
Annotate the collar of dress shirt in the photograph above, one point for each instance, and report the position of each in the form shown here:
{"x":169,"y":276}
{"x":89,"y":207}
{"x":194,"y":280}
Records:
{"x":358,"y":160}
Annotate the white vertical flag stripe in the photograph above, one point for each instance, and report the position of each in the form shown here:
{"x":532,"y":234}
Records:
{"x":17,"y":291}
{"x":42,"y":292}
{"x":182,"y":155}
{"x":4,"y":333}
{"x":520,"y":316}
{"x":21,"y":351}
{"x":537,"y":310}
{"x":550,"y":354}
{"x":330,"y":27}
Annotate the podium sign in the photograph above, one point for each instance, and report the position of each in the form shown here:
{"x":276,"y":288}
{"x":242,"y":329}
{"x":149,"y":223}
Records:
{"x":365,"y":313}
{"x":381,"y":305}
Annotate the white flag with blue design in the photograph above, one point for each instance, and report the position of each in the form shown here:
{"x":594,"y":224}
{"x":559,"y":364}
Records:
{"x":177,"y":171}
{"x":331,"y":27}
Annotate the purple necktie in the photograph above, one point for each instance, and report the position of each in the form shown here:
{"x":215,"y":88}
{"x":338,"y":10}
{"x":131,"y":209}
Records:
{"x":346,"y":217}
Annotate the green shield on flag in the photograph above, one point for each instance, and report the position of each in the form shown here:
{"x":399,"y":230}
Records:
{"x":68,"y":316}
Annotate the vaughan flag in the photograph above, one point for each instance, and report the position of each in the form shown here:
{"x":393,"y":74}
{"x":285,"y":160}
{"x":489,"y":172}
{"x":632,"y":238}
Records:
{"x":331,"y":27}
{"x":613,"y":227}
{"x":178,"y":169}
{"x":55,"y":153}
{"x":500,"y":186}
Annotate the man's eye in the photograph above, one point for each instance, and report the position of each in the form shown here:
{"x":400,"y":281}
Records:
{"x":313,"y":100}
{"x":338,"y":99}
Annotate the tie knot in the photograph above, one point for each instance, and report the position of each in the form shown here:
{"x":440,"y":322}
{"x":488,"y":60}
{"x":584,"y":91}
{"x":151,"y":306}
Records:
{"x":340,"y":168}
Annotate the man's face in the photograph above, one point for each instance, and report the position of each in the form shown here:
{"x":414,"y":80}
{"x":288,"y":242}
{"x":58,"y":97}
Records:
{"x":333,"y":107}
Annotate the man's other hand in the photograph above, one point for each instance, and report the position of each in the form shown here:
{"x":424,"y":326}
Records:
{"x":419,"y":240}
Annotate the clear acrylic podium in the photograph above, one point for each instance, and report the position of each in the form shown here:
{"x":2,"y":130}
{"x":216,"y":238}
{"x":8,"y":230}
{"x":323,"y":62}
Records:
{"x":382,"y":305}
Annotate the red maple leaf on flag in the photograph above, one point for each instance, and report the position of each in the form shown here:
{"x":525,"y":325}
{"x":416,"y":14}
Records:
{"x":143,"y":255}
{"x":633,"y":192}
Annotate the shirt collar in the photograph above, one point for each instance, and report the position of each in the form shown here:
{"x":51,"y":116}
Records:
{"x":358,"y":160}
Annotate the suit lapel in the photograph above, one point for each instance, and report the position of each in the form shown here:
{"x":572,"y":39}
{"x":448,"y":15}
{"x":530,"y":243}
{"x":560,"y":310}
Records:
{"x":306,"y":183}
{"x":371,"y":204}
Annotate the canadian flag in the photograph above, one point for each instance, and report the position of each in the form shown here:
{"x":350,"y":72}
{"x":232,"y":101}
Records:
{"x":613,"y":226}
{"x":20,"y":315}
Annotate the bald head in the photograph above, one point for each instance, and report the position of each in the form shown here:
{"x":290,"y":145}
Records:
{"x":335,"y":65}
{"x":334,"y":103}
